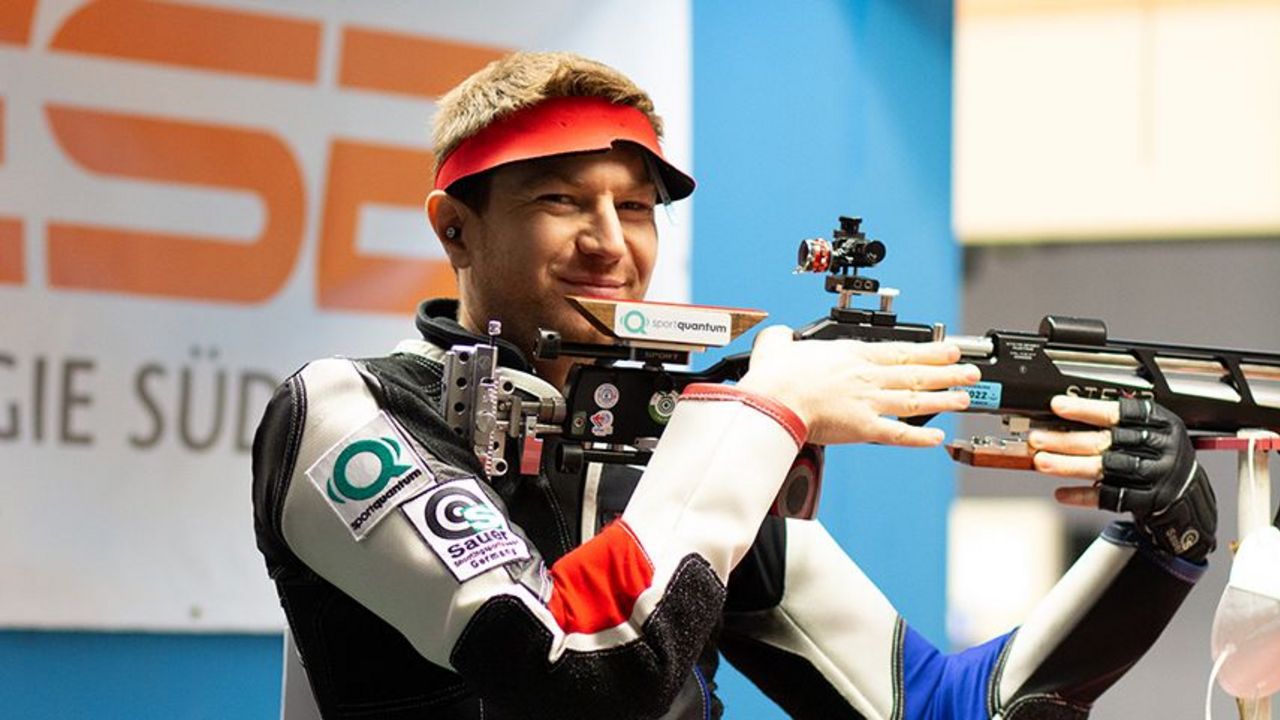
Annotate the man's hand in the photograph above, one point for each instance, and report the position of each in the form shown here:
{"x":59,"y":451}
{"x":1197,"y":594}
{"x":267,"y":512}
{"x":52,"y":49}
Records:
{"x":1143,"y":464}
{"x":845,"y":390}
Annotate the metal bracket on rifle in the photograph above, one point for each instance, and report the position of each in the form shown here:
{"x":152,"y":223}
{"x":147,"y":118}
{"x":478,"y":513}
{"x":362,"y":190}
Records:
{"x":482,"y":406}
{"x":841,"y":258}
{"x":992,"y":452}
{"x":1009,"y":452}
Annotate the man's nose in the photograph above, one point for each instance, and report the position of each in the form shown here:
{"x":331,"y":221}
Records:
{"x":604,"y":238}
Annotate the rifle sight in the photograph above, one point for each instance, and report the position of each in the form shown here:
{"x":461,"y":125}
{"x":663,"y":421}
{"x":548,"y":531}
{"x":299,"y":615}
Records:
{"x":848,"y":249}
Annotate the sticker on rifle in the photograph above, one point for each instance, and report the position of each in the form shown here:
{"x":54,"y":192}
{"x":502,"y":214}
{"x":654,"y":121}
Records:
{"x":602,"y":424}
{"x":984,"y":395}
{"x":464,"y":529}
{"x":606,"y":395}
{"x":672,"y":323}
{"x":368,"y":473}
{"x":662,"y":405}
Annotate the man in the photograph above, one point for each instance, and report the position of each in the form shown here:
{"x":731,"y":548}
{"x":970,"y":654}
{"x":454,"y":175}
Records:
{"x":415,"y":588}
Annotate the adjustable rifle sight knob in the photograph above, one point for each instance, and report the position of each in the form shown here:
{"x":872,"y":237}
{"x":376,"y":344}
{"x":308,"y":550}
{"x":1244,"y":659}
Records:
{"x":814,"y":256}
{"x":850,"y":227}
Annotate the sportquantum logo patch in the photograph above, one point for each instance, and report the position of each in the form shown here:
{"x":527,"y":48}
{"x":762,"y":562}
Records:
{"x":369,"y":473}
{"x":672,"y":323}
{"x":464,"y":529}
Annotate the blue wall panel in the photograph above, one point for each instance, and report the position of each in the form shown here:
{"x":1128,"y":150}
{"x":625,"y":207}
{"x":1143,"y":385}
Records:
{"x":139,"y":676}
{"x":803,"y":112}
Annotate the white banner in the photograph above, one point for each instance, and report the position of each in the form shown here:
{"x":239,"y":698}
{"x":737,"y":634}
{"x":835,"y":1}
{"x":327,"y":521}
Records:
{"x":195,"y":199}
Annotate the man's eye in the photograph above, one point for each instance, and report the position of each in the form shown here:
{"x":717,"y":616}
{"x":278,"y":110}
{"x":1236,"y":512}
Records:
{"x":636,"y":206}
{"x":557,"y":199}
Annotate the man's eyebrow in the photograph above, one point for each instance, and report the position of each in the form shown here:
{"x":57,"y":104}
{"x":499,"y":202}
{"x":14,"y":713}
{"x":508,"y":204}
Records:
{"x":546,"y":174}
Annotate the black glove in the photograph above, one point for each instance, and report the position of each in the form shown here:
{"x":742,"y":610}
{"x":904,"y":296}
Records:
{"x":1151,"y":471}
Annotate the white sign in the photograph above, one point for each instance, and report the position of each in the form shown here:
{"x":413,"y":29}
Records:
{"x":183,"y":224}
{"x":684,"y":324}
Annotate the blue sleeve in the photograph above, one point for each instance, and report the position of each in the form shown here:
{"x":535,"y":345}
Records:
{"x":947,"y":687}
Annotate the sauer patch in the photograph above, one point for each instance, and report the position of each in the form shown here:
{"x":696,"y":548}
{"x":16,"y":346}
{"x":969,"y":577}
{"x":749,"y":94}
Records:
{"x":464,"y":529}
{"x":368,"y":474}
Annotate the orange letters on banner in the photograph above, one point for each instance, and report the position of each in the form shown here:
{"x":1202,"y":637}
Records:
{"x":11,"y":266}
{"x":360,"y":174}
{"x":408,"y":64}
{"x":15,"y":21}
{"x":180,"y":266}
{"x":231,"y":41}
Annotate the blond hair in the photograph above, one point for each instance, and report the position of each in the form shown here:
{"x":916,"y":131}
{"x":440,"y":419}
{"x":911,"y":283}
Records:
{"x":524,"y":79}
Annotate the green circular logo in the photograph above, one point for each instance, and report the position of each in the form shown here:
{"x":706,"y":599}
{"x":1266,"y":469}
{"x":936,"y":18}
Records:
{"x":634,"y":322}
{"x":386,"y":450}
{"x":662,"y":405}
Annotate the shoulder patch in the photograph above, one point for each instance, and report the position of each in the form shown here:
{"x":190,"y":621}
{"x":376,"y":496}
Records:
{"x":368,"y":473}
{"x":464,"y":529}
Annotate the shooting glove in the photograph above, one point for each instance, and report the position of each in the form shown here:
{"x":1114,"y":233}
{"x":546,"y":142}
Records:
{"x":1151,"y":471}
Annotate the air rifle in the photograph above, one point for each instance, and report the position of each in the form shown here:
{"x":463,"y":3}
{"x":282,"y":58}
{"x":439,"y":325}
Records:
{"x":617,"y":402}
{"x":1215,"y":391}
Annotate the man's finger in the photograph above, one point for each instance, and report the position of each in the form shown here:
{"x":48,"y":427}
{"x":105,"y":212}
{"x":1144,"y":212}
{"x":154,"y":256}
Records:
{"x":926,"y":377}
{"x":774,"y":336}
{"x":895,"y":432}
{"x":1083,"y":442}
{"x":1103,"y":413}
{"x":1077,"y":496}
{"x":904,"y":353}
{"x":909,"y":403}
{"x":1070,"y":466}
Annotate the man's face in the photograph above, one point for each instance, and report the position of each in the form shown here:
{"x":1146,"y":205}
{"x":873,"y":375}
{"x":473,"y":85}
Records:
{"x":567,"y":225}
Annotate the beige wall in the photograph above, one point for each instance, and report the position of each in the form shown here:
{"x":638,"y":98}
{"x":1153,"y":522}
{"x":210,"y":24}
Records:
{"x":1097,"y":119}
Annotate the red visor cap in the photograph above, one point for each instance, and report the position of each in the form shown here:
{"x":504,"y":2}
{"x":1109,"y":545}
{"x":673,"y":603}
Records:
{"x":556,"y":127}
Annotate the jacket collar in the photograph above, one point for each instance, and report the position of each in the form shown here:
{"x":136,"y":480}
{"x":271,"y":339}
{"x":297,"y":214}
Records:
{"x":437,"y":320}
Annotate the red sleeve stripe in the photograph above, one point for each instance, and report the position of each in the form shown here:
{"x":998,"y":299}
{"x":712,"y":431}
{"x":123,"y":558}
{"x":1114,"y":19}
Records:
{"x":785,"y":416}
{"x":595,"y":586}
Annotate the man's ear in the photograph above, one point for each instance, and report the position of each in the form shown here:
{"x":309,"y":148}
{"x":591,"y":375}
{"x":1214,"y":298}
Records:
{"x":447,"y":216}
